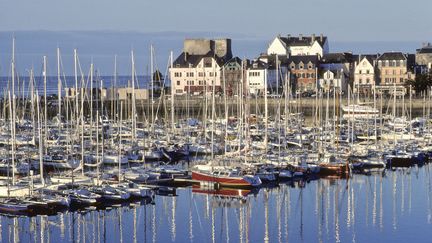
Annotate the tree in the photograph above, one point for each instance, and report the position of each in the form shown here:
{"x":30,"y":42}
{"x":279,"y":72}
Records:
{"x":421,"y":82}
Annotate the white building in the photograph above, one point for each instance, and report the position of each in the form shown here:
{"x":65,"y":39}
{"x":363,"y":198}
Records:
{"x":256,"y":76}
{"x":198,"y":68}
{"x":332,"y":79}
{"x":299,"y":46}
{"x":364,"y":74}
{"x":195,"y":75}
{"x":264,"y":71}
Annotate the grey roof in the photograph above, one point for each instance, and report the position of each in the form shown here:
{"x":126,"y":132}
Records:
{"x":184,"y":60}
{"x":370,"y":57}
{"x":303,"y":41}
{"x":258,"y":64}
{"x":234,"y":59}
{"x":304,"y":59}
{"x":341,"y":57}
{"x":425,"y":50}
{"x":392,"y":56}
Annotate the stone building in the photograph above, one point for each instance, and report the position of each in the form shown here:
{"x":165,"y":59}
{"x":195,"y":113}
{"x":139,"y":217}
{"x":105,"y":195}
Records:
{"x":394,"y":68}
{"x":232,"y":75}
{"x":424,"y":56}
{"x":303,"y":72}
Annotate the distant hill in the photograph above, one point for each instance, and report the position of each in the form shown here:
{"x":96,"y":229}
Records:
{"x":101,"y":46}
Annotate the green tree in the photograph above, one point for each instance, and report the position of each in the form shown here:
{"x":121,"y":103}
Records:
{"x":421,"y":82}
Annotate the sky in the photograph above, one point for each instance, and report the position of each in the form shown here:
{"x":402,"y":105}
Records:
{"x":100,"y":29}
{"x":344,"y":20}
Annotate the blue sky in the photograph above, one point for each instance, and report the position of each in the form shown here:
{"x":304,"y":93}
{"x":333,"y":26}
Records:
{"x":100,"y":29}
{"x":343,"y":20}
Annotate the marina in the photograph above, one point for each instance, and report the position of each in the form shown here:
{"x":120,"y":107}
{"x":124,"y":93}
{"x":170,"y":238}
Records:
{"x":103,"y":158}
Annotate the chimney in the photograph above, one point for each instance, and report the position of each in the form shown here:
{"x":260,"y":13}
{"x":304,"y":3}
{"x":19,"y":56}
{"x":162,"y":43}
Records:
{"x":300,"y":36}
{"x":289,"y":36}
{"x":321,"y":37}
{"x":185,"y":56}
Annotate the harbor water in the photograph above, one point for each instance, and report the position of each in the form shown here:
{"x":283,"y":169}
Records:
{"x":390,"y":206}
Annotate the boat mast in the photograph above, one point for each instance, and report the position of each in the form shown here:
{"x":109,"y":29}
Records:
{"x":76,"y":85}
{"x":120,"y":140}
{"x":213,"y":107}
{"x":91,"y":99}
{"x":265,"y":112}
{"x":152,"y":88}
{"x":59,"y":85}
{"x":133,"y":98}
{"x":12,"y":111}
{"x":45,"y":101}
{"x":40,"y":139}
{"x":172,"y":97}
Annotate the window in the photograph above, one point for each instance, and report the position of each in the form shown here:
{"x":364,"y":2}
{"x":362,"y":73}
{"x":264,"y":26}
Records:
{"x":200,"y":74}
{"x":178,"y":82}
{"x":367,"y":71}
{"x":360,"y":80}
{"x":360,"y":71}
{"x":394,"y":72}
{"x":401,"y":80}
{"x":367,"y":80}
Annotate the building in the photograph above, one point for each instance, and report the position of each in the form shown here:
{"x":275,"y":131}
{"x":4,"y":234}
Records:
{"x":198,"y":68}
{"x":257,"y":77}
{"x":332,"y":79}
{"x":344,"y":61}
{"x":424,"y":56}
{"x":365,"y":74}
{"x":303,"y":72}
{"x":266,"y":69}
{"x":232,"y":75}
{"x":299,"y":46}
{"x":120,"y":94}
{"x":394,"y":68}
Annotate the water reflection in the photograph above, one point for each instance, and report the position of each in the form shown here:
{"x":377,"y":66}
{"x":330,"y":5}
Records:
{"x":395,"y":206}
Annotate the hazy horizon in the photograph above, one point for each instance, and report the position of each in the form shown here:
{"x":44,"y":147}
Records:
{"x":102,"y":46}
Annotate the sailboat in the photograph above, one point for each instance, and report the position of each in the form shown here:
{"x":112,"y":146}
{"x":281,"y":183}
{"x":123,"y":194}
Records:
{"x":225,"y":176}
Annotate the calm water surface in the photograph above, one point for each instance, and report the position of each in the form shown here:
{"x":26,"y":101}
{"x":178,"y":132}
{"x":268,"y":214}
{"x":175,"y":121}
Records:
{"x":395,"y":206}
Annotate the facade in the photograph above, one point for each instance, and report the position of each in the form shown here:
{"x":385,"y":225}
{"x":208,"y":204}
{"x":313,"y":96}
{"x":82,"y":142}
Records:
{"x":121,"y":94}
{"x":365,"y":74}
{"x":257,"y":77}
{"x":232,"y":75}
{"x":394,"y":68}
{"x":332,"y":79}
{"x":266,"y":69}
{"x":303,"y":72}
{"x":424,"y":56}
{"x":299,"y":46}
{"x":198,"y":68}
{"x":344,"y":61}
